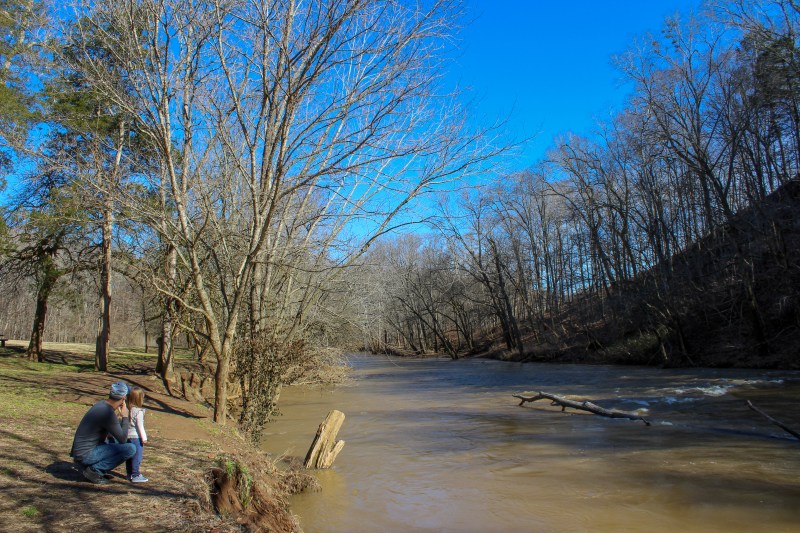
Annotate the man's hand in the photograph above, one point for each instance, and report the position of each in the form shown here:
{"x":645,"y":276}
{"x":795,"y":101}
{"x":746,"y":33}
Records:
{"x":123,"y":410}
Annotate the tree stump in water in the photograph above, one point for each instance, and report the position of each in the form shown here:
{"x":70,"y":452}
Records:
{"x":323,"y":449}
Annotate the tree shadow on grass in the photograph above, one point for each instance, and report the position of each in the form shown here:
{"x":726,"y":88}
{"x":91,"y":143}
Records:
{"x":159,"y":406}
{"x":154,"y":403}
{"x":134,"y":369}
{"x":68,"y":358}
{"x":71,"y":471}
{"x":53,"y":357}
{"x":12,"y":351}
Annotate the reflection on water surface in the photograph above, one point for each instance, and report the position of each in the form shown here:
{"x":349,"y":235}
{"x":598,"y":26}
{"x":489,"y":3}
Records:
{"x":437,"y":445}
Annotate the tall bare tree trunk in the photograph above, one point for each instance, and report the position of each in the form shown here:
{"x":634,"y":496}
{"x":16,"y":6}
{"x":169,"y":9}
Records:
{"x":144,"y":322}
{"x":34,"y":351}
{"x":107,"y":182}
{"x":221,"y":385}
{"x":104,"y":325}
{"x":166,"y":364}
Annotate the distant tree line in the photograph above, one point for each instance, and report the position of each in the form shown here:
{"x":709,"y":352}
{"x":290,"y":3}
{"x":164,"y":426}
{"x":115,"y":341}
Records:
{"x":657,"y":226}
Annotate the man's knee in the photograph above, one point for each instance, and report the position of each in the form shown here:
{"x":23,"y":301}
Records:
{"x":129,"y":450}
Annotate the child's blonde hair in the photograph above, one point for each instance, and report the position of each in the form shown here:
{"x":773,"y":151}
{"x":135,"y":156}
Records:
{"x":135,"y":397}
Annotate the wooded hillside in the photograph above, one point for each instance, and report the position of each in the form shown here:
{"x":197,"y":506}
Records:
{"x":668,"y":237}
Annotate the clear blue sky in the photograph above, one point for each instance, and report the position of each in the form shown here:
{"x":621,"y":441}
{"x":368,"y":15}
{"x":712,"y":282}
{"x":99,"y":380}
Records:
{"x":546,"y":65}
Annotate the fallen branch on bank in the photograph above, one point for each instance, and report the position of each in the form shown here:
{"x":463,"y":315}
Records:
{"x":776,"y":422}
{"x":583,"y":406}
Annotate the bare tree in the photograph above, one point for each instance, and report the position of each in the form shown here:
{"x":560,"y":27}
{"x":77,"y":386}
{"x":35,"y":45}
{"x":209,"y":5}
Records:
{"x":286,"y":131}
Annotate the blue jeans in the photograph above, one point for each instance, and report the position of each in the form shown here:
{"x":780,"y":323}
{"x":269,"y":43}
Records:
{"x":107,"y":456}
{"x":132,"y":464}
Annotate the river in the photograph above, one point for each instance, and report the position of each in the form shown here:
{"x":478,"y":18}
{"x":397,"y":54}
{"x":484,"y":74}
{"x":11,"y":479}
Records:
{"x":439,"y":445}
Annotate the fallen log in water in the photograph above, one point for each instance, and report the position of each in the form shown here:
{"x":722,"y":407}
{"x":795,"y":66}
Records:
{"x":323,"y":450}
{"x":583,"y":406}
{"x":776,"y":422}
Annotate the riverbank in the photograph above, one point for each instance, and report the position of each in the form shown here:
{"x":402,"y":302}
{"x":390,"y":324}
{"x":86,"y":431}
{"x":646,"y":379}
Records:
{"x":40,"y":407}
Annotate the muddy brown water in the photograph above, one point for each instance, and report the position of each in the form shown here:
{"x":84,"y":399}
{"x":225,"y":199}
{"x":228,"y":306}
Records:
{"x":438,"y":445}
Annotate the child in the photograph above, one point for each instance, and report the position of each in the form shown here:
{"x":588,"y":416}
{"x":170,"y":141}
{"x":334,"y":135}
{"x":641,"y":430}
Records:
{"x":136,"y":435}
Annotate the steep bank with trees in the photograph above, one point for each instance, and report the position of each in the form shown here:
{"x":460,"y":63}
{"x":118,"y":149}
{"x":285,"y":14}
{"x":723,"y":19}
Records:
{"x":729,"y":299}
{"x":669,"y":237}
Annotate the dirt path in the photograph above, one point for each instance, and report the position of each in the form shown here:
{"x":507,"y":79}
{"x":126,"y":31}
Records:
{"x":42,"y":490}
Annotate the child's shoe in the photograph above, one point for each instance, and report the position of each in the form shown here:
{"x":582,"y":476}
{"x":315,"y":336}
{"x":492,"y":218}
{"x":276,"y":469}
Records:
{"x":139,"y":479}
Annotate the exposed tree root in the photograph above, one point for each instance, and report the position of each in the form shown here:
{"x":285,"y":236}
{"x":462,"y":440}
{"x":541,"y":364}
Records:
{"x":244,"y":495}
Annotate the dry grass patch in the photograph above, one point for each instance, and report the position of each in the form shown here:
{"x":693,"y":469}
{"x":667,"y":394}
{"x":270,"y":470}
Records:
{"x":40,"y":407}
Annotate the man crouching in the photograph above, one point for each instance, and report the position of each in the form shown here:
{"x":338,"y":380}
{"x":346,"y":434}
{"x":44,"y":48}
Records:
{"x":106,"y":418}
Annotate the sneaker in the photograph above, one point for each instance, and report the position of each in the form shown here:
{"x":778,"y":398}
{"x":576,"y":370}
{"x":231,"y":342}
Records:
{"x":139,"y":479}
{"x":94,"y":476}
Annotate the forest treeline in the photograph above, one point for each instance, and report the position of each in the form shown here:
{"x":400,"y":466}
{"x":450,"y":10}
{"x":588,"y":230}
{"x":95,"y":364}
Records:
{"x":670,"y":237}
{"x":238,"y":177}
